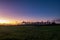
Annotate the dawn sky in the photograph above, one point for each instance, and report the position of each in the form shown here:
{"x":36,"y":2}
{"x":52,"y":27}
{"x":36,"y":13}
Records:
{"x":30,"y":10}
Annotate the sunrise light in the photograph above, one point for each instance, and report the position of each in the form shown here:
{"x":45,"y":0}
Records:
{"x":4,"y":22}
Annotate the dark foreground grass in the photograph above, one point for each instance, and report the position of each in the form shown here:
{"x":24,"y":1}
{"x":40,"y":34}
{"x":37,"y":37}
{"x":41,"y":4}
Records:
{"x":30,"y":32}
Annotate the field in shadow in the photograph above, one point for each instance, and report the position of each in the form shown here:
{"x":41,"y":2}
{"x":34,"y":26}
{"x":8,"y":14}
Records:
{"x":30,"y":32}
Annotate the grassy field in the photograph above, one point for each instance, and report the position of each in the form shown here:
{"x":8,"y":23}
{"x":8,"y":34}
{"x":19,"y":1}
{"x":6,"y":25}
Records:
{"x":29,"y":32}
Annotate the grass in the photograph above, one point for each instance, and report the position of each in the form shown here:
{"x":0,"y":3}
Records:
{"x":29,"y":32}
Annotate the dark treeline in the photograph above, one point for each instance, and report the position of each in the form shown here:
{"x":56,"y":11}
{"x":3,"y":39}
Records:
{"x":38,"y":23}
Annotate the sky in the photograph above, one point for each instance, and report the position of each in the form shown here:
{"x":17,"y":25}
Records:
{"x":30,"y":10}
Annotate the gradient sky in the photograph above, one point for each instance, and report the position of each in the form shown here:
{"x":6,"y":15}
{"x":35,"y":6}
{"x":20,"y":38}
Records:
{"x":30,"y":10}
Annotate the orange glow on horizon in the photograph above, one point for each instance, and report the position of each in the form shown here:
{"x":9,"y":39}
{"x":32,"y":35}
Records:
{"x":7,"y":22}
{"x":4,"y":21}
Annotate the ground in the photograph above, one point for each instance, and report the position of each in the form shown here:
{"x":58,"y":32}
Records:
{"x":30,"y":32}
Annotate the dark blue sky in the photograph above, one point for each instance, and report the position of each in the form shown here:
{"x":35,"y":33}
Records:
{"x":30,"y":9}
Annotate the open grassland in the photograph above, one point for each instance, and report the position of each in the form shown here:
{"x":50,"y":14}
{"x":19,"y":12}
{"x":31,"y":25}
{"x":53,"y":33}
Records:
{"x":30,"y":32}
